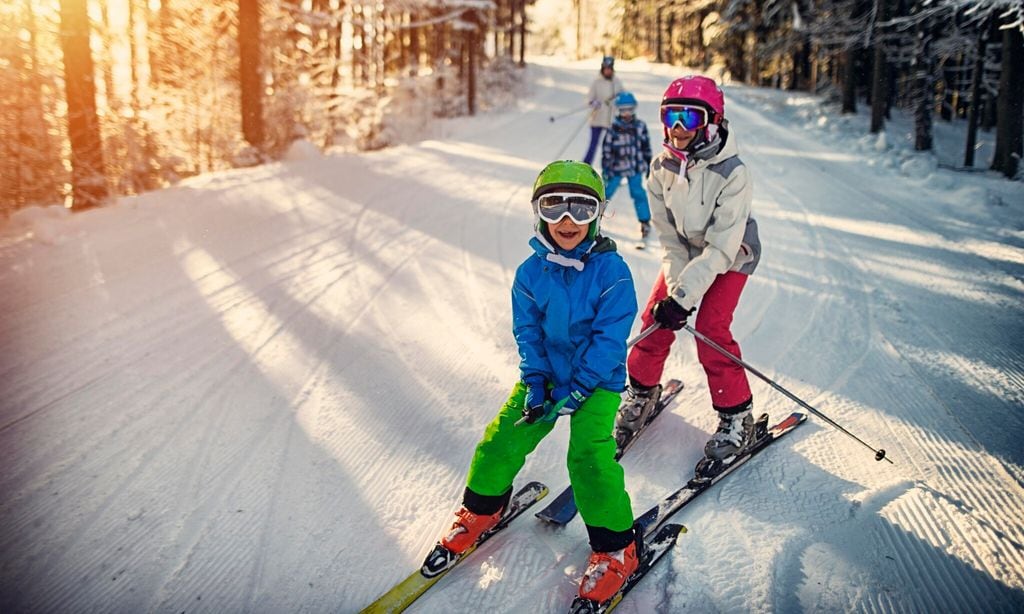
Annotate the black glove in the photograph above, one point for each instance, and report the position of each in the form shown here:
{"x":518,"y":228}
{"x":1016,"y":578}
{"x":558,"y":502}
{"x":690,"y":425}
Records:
{"x":670,"y":314}
{"x":534,"y":405}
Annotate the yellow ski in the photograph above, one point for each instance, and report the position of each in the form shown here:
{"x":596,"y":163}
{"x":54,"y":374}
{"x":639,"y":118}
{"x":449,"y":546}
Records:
{"x":441,"y":560}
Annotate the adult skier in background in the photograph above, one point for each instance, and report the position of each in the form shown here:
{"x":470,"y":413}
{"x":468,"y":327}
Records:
{"x":700,"y":194}
{"x":626,"y":153}
{"x":600,"y":96}
{"x":573,"y":304}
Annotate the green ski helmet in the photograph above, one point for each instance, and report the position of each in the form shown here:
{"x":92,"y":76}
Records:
{"x":574,"y":176}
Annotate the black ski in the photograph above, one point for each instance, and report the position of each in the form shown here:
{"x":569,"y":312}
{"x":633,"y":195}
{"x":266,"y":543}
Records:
{"x":440,"y":560}
{"x":671,"y":504}
{"x":655,"y":547}
{"x":562,"y":509}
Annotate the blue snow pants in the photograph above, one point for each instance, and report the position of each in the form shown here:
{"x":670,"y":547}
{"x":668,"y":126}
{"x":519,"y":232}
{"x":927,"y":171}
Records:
{"x":636,"y":190}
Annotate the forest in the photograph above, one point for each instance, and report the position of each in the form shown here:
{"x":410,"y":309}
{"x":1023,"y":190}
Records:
{"x":104,"y":99}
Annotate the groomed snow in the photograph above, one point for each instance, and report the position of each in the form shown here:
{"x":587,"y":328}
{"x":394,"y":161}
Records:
{"x":258,"y":391}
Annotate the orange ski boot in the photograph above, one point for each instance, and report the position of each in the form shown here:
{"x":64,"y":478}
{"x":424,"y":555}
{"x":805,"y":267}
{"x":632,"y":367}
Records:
{"x":607,"y":572}
{"x":467,"y":529}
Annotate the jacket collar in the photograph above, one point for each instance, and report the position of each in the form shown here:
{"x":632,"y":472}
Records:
{"x":575,"y":258}
{"x":721,"y":148}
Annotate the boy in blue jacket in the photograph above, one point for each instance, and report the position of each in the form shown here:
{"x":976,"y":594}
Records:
{"x":573,"y":304}
{"x":626,"y":153}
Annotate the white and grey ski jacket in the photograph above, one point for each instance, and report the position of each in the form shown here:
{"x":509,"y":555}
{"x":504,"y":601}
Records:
{"x":603,"y":91}
{"x":703,"y":220}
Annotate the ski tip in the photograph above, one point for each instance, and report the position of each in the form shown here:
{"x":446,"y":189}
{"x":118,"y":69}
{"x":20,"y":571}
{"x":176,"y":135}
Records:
{"x":539,"y":487}
{"x":793,"y":419}
{"x":548,"y":520}
{"x":672,"y":527}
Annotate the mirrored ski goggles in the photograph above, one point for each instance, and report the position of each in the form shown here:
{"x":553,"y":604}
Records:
{"x":581,"y":208}
{"x":690,"y":118}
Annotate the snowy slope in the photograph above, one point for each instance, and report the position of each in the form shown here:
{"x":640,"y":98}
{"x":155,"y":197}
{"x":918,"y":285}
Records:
{"x":259,"y":391}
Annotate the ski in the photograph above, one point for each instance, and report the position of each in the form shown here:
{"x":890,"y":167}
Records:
{"x":563,"y":508}
{"x":440,"y":560}
{"x":657,"y":515}
{"x":655,"y":547}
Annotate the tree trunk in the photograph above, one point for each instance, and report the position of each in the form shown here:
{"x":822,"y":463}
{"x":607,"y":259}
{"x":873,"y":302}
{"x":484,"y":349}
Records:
{"x":439,"y":49}
{"x":879,"y":73}
{"x":88,"y":183}
{"x":249,"y":71}
{"x":578,"y":4}
{"x":924,"y":87}
{"x":511,"y":30}
{"x":1010,"y":105}
{"x":415,"y":48}
{"x":670,"y":28}
{"x":849,"y":82}
{"x":658,"y":55}
{"x":332,"y":106}
{"x":522,"y":32}
{"x":812,"y":84}
{"x":161,"y":44}
{"x":469,"y":40}
{"x":141,"y":155}
{"x":379,"y":24}
{"x":974,"y":110}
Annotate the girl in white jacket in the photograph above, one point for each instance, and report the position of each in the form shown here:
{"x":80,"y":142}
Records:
{"x":700,"y":198}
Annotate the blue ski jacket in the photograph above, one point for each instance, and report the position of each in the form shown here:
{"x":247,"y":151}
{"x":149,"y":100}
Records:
{"x":571,"y":316}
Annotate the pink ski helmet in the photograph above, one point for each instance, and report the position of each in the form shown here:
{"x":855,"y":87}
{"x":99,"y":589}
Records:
{"x":697,"y":90}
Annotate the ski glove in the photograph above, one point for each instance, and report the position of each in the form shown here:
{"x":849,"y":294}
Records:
{"x":670,"y":314}
{"x":595,"y":104}
{"x":536,"y":403}
{"x":567,"y":406}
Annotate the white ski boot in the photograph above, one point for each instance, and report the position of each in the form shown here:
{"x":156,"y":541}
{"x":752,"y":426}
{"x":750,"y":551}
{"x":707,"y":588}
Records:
{"x":634,"y":412}
{"x":734,"y":434}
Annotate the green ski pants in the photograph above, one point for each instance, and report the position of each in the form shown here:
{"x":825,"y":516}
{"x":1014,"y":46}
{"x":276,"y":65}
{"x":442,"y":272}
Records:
{"x":596,"y":477}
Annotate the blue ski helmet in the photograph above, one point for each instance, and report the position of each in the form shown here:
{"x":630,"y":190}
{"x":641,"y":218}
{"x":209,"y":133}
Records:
{"x":625,"y":101}
{"x":607,"y":62}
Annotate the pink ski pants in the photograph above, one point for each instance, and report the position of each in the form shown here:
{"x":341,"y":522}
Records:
{"x":727,"y":381}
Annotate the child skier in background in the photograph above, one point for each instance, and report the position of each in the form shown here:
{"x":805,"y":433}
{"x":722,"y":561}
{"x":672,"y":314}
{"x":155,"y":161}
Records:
{"x":701,"y":195}
{"x":626,"y":153}
{"x":600,"y":96}
{"x":573,"y":304}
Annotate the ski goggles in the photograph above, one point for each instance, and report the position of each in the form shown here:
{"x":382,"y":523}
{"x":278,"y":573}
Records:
{"x":581,"y":208}
{"x":689,"y":117}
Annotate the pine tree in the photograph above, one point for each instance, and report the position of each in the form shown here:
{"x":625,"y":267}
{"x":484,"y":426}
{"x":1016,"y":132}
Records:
{"x":89,"y":183}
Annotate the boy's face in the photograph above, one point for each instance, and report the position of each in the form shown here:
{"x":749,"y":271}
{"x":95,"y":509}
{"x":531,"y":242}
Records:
{"x":567,"y":233}
{"x":607,"y":72}
{"x":680,"y":136}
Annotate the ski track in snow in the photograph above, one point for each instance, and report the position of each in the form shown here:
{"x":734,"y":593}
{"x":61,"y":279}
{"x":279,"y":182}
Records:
{"x":260,"y":391}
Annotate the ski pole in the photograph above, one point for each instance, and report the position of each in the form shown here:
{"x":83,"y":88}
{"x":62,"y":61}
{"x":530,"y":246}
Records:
{"x":568,"y":113}
{"x":571,"y":138}
{"x":642,"y":335}
{"x":577,"y":110}
{"x":879,"y":453}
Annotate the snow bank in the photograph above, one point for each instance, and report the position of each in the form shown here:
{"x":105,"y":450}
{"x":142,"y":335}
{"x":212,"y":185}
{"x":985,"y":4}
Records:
{"x":46,"y":224}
